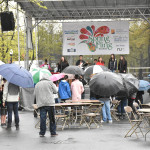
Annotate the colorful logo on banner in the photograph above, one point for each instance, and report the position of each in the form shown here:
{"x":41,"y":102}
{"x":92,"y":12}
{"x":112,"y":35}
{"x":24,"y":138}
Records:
{"x":95,"y":39}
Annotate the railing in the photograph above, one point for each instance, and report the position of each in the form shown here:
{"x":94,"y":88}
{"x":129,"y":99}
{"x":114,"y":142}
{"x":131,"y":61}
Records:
{"x":140,"y":72}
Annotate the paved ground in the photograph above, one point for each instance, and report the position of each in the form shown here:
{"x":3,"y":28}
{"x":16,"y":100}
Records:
{"x":108,"y":137}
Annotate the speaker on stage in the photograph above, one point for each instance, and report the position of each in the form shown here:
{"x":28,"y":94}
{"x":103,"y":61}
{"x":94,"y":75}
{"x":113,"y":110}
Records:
{"x":7,"y":21}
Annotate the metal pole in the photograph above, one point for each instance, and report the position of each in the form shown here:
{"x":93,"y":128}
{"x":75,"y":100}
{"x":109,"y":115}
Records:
{"x":18,"y":34}
{"x":27,"y":49}
{"x":36,"y":42}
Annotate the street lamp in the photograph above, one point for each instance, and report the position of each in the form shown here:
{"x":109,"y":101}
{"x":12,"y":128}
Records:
{"x":11,"y":53}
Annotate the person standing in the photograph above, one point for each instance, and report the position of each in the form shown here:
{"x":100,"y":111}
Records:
{"x":122,"y":65}
{"x":139,"y":97}
{"x":131,"y":99}
{"x":105,"y":109}
{"x":3,"y":109}
{"x":11,"y":96}
{"x":43,"y":94}
{"x":95,"y":62}
{"x":122,"y":97}
{"x":45,"y":65}
{"x":62,"y":64}
{"x":64,"y":89}
{"x":77,"y":88}
{"x":100,"y":61}
{"x":81,"y":63}
{"x":112,"y":64}
{"x":81,"y":78}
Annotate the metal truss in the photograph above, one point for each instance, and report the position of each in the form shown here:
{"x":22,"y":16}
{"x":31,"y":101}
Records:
{"x":89,"y":13}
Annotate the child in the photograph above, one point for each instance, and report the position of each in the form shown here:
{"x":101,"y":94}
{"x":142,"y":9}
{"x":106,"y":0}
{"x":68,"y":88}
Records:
{"x":3,"y":109}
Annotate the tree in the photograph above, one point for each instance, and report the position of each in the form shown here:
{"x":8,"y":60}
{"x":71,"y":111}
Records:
{"x":50,"y":41}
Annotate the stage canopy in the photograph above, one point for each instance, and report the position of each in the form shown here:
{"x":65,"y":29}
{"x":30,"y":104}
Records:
{"x":87,"y":9}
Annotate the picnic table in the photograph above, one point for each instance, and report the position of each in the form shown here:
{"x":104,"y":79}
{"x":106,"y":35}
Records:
{"x":73,"y":105}
{"x":83,"y":101}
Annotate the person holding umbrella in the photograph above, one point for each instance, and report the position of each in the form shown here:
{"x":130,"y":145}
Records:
{"x":77,"y":88}
{"x":64,"y":89}
{"x":104,"y":85}
{"x":11,"y":96}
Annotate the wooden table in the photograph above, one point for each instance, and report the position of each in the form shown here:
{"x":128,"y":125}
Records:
{"x":83,"y":101}
{"x":73,"y":105}
{"x":145,"y":110}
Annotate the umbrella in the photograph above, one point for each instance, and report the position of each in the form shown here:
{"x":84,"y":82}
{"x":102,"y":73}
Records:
{"x":1,"y":63}
{"x":144,"y":85}
{"x":37,"y":74}
{"x":106,"y":84}
{"x":73,"y":70}
{"x":149,"y":75}
{"x":56,"y":77}
{"x":93,"y":70}
{"x":131,"y":83}
{"x":17,"y":75}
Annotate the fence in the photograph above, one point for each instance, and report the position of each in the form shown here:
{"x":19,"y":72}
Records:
{"x":140,"y":72}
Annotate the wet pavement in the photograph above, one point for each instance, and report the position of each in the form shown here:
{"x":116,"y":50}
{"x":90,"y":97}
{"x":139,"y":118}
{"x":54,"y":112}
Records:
{"x":108,"y":137}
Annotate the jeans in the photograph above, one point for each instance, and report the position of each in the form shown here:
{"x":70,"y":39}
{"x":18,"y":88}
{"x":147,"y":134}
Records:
{"x":106,"y":110}
{"x":13,"y":106}
{"x":121,"y":106}
{"x":43,"y":115}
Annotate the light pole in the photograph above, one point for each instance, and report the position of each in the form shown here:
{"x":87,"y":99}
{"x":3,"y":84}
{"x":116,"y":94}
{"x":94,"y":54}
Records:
{"x":11,"y":53}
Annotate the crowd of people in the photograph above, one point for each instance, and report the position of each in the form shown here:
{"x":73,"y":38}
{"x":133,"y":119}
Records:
{"x":47,"y":93}
{"x":112,"y":63}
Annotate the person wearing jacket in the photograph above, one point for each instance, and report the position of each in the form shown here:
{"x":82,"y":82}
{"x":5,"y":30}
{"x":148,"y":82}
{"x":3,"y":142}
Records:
{"x":64,"y":89}
{"x":106,"y":108}
{"x":100,"y":61}
{"x":62,"y":64}
{"x":112,"y":64}
{"x":77,"y":88}
{"x":81,"y":63}
{"x":46,"y":65}
{"x":11,"y":96}
{"x":122,"y":65}
{"x":44,"y":95}
{"x":122,"y":97}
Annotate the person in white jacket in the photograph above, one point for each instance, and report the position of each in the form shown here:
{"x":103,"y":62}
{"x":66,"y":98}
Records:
{"x":10,"y":98}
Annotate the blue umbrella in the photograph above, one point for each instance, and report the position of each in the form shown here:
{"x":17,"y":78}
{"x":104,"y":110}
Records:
{"x":144,"y":85}
{"x":149,"y":75}
{"x":17,"y":75}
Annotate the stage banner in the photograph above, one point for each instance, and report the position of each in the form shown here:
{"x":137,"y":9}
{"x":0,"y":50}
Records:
{"x":96,"y":38}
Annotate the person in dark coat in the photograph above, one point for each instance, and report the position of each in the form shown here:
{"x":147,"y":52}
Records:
{"x":122,"y":65}
{"x":62,"y":64}
{"x":112,"y":64}
{"x":84,"y":83}
{"x":122,"y":97}
{"x":81,"y":63}
{"x":139,"y":96}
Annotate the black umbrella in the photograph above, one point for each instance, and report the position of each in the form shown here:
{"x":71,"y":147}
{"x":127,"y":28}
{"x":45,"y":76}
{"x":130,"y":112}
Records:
{"x":73,"y":70}
{"x":131,"y":83}
{"x":106,"y":84}
{"x":93,"y":70}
